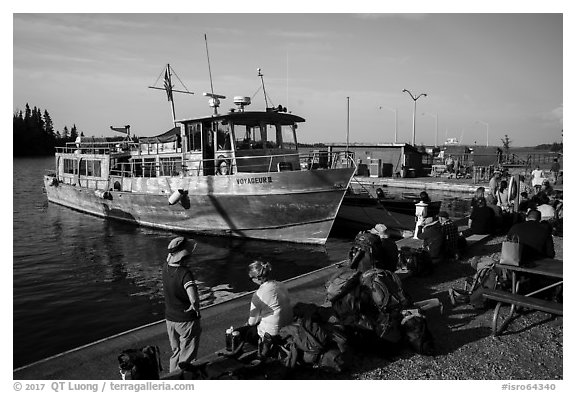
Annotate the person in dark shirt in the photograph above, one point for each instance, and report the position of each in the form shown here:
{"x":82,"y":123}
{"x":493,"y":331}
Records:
{"x":482,"y":219}
{"x":431,"y":233}
{"x":389,"y":247}
{"x":182,"y":303}
{"x":450,"y":234}
{"x":535,"y":237}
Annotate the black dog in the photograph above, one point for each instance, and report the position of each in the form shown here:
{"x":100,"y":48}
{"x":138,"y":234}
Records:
{"x":141,"y":363}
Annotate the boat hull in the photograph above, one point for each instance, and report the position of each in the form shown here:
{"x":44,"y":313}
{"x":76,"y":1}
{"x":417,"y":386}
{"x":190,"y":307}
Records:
{"x":362,"y":213}
{"x":297,"y":206}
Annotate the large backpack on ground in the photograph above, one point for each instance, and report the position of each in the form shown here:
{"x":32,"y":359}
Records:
{"x":341,"y":283}
{"x":486,"y":277}
{"x":416,"y":261}
{"x":367,"y":253}
{"x":382,"y":300}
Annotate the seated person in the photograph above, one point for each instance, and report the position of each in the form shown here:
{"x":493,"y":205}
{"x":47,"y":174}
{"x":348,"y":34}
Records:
{"x":498,"y":214}
{"x":482,"y":219}
{"x":389,"y":247}
{"x":431,"y":233}
{"x":545,"y":208}
{"x":270,"y":309}
{"x":424,"y":197}
{"x":477,"y":195}
{"x":450,"y":234}
{"x":535,"y":237}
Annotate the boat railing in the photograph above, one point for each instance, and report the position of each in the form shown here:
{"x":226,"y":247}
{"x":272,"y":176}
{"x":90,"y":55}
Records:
{"x":175,"y":166}
{"x":97,"y":147}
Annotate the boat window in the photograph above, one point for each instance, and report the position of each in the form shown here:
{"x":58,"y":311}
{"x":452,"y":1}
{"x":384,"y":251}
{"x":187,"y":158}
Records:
{"x":288,"y":137}
{"x":222,"y":135}
{"x":90,"y":168}
{"x":273,"y":136}
{"x":194,"y":136}
{"x":69,"y":166}
{"x":248,"y":137}
{"x":170,"y":166}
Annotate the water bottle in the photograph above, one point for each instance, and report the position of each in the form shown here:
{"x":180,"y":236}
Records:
{"x":229,"y":339}
{"x":235,"y":340}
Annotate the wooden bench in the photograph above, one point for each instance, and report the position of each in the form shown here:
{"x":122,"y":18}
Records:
{"x":520,"y":301}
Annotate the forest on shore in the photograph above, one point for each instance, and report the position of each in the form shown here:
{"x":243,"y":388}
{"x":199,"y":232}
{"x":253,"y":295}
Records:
{"x":34,"y":135}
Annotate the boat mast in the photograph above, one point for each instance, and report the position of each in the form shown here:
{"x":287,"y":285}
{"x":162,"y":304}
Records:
{"x":263,"y":87}
{"x":214,"y":101}
{"x":168,"y":86}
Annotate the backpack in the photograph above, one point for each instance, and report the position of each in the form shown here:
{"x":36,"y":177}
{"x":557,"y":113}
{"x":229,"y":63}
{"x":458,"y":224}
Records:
{"x":304,"y":340}
{"x":416,"y":333}
{"x":382,"y":299}
{"x":366,"y":252}
{"x":385,"y":289}
{"x":485,"y":278}
{"x":416,"y":261}
{"x":341,"y":283}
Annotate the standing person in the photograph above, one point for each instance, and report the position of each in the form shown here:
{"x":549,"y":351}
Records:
{"x":494,"y":182}
{"x":537,"y":179}
{"x":270,"y":309}
{"x":182,"y":303}
{"x":450,"y":234}
{"x":555,"y":170}
{"x":502,"y":196}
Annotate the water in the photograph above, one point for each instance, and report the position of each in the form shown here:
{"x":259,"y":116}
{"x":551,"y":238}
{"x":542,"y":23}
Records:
{"x":79,"y":278}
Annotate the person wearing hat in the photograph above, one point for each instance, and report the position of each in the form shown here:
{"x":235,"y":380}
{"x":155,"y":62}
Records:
{"x":431,"y":234}
{"x":389,"y":247}
{"x":182,"y":303}
{"x":450,"y":234}
{"x":270,"y":308}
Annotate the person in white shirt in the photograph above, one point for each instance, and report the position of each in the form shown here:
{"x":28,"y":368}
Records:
{"x":537,"y":178}
{"x":270,"y":308}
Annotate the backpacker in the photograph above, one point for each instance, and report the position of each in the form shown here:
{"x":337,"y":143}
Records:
{"x":416,"y":261}
{"x":367,"y":252}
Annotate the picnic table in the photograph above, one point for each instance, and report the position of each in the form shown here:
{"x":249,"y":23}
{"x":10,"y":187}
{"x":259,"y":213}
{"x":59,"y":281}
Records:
{"x":548,"y":267}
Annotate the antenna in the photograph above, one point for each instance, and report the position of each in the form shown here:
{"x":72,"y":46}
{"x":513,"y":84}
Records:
{"x":214,"y":100}
{"x":263,"y":88}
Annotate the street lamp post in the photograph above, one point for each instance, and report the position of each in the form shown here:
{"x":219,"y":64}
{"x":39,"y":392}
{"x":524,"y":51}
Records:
{"x":436,"y":127}
{"x":414,"y":113}
{"x":487,"y":129}
{"x":395,"y":122}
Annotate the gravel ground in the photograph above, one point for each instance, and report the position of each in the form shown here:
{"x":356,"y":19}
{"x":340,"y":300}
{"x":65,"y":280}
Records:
{"x":530,"y":349}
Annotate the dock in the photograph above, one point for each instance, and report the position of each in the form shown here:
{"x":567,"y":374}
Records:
{"x":99,"y":360}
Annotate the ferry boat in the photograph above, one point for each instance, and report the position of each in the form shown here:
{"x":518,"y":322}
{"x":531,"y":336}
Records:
{"x":236,"y":174}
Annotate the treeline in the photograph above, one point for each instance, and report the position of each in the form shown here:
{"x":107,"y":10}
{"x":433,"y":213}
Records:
{"x":34,"y":134}
{"x":551,"y":147}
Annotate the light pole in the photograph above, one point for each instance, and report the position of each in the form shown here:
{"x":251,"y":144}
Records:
{"x":487,"y":129}
{"x":414,"y":113}
{"x":395,"y":122}
{"x":436,"y":128}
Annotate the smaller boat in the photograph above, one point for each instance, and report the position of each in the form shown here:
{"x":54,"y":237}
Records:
{"x":406,"y":204}
{"x":360,"y":210}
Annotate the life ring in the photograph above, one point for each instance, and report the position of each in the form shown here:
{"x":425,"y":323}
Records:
{"x":223,"y":166}
{"x":512,"y":189}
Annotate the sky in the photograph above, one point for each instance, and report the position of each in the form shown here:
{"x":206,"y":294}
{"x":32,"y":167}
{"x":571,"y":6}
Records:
{"x":486,"y":75}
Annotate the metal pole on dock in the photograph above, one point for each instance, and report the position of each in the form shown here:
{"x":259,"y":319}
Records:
{"x":414,"y":113}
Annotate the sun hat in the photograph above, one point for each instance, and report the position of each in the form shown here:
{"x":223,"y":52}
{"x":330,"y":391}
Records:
{"x":378,"y":229}
{"x":179,"y":249}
